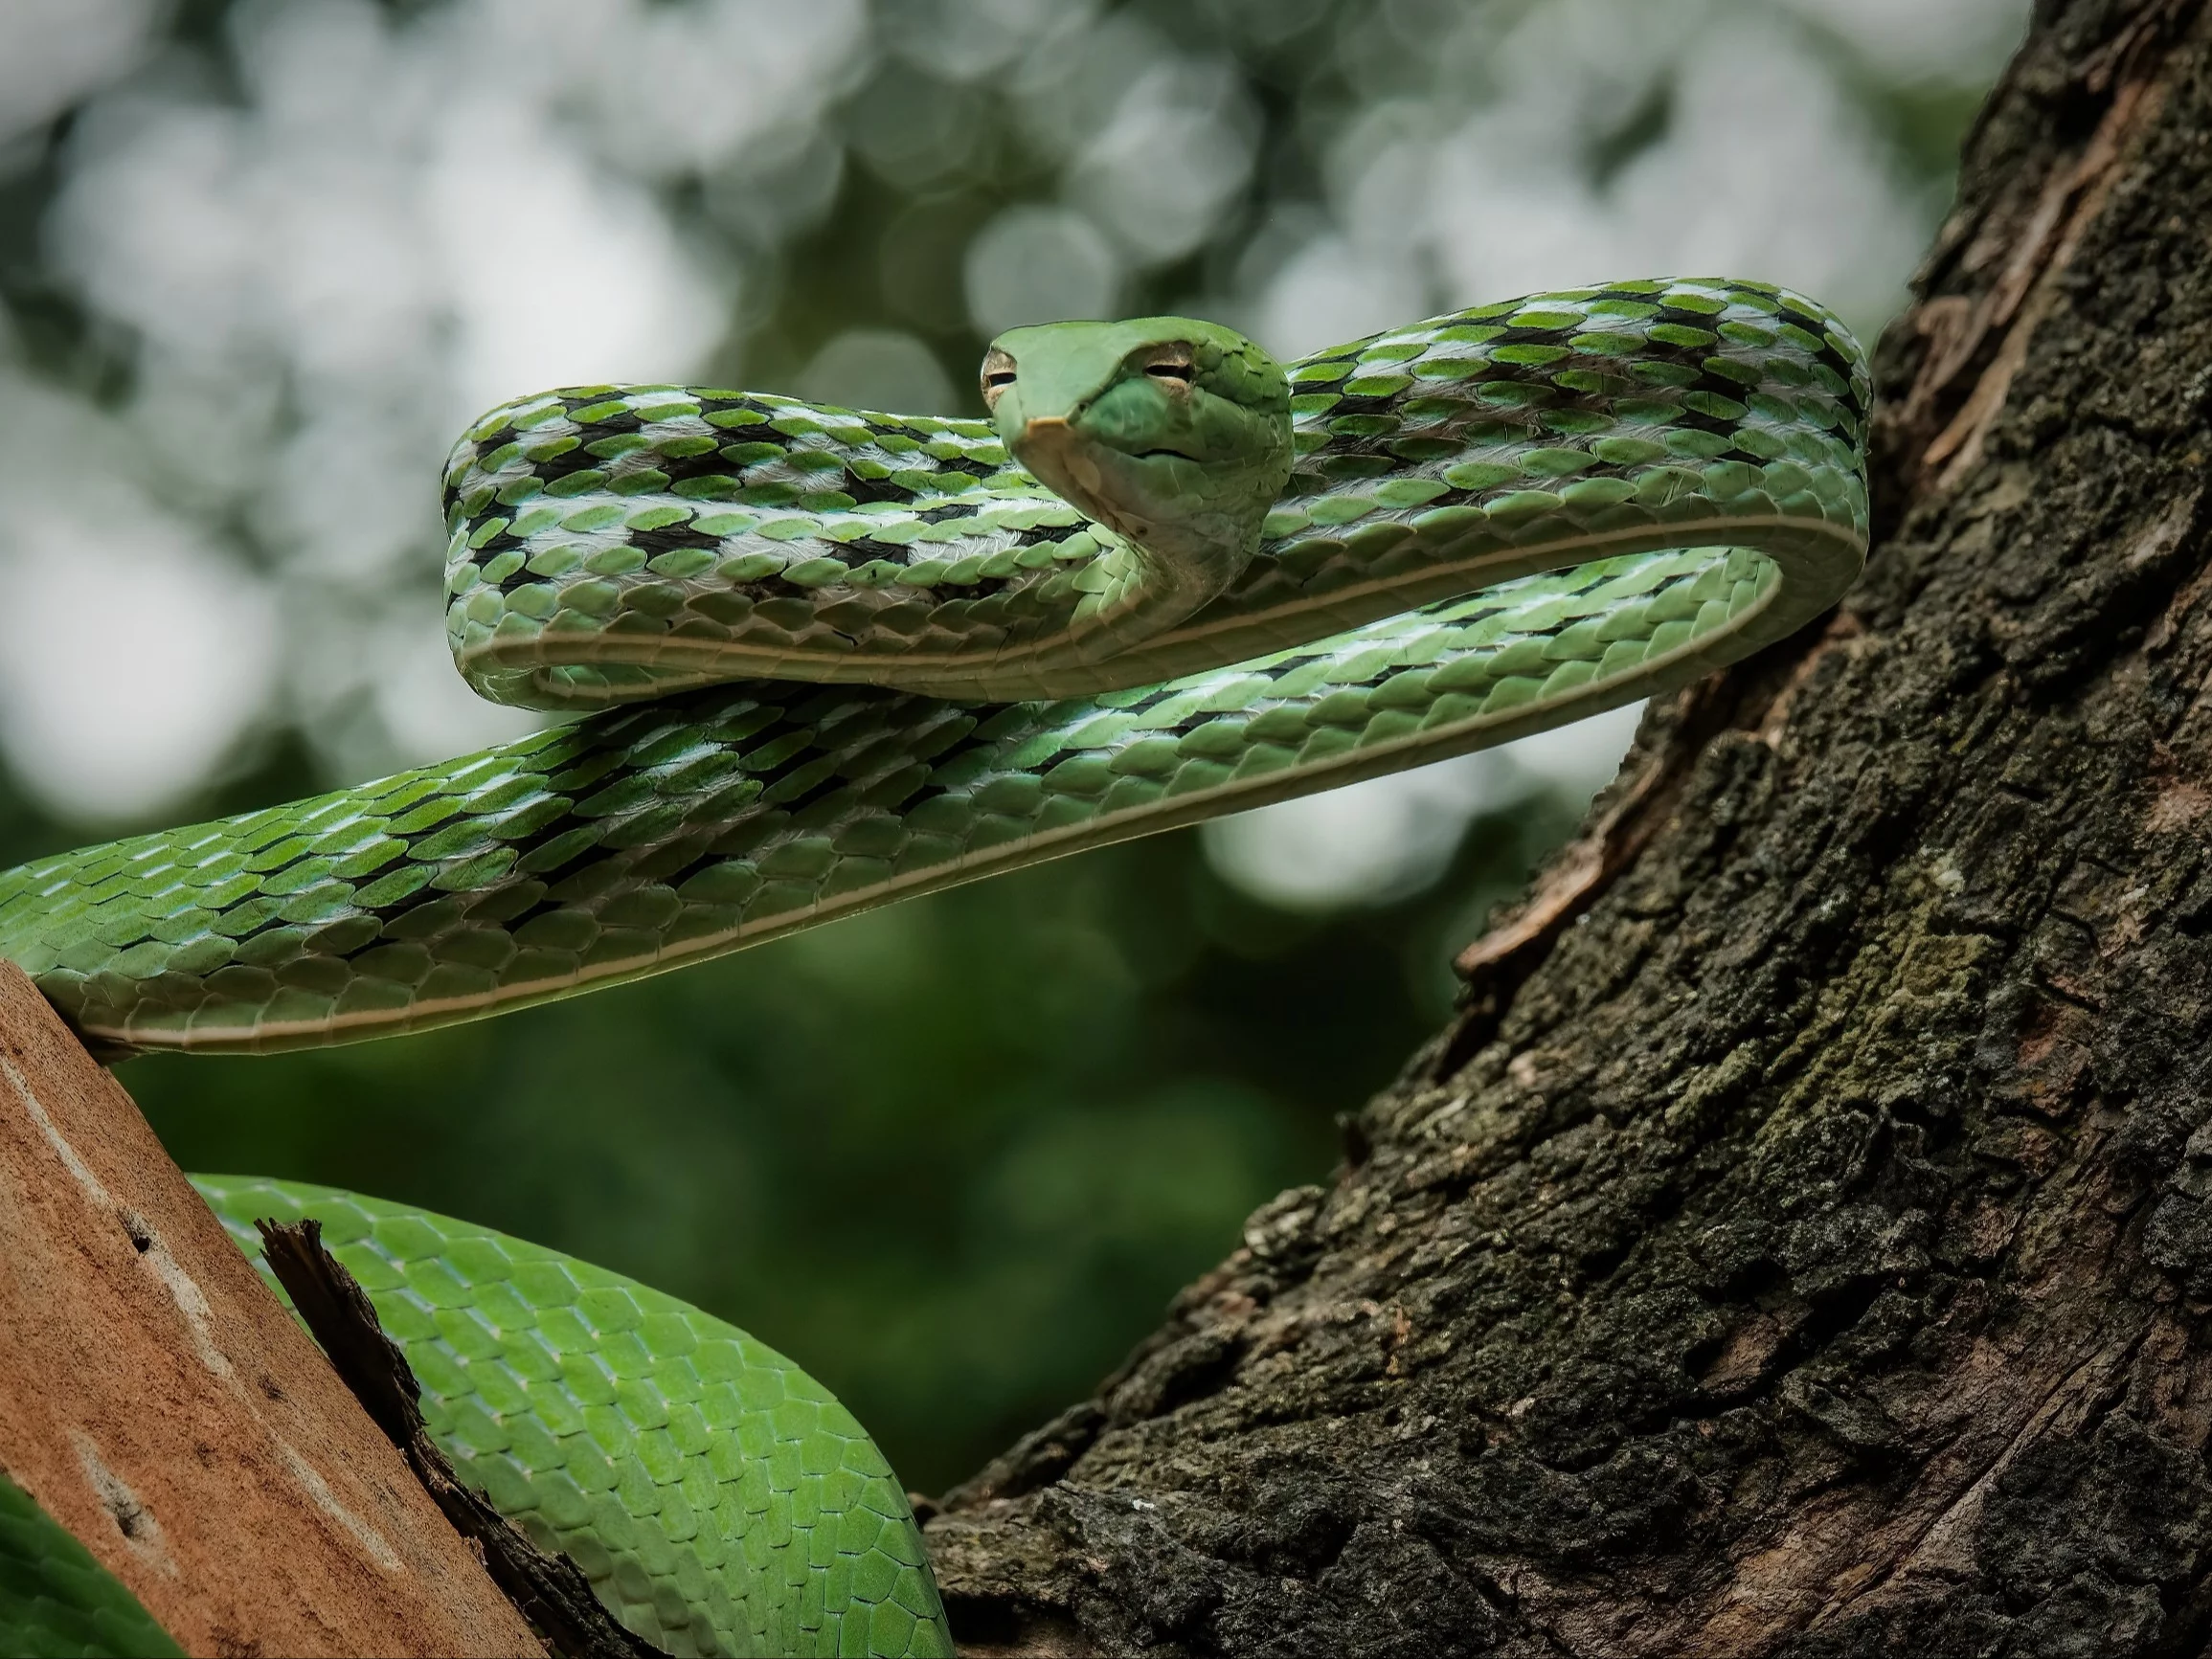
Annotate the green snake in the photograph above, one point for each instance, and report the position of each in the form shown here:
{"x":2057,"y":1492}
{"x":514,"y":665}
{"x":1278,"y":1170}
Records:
{"x":824,"y":660}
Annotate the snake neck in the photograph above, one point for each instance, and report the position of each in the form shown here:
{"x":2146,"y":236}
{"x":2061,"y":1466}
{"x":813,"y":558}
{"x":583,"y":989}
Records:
{"x":1181,"y":547}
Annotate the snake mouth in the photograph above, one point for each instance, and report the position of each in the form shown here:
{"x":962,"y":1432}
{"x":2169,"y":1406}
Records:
{"x":1059,"y":429}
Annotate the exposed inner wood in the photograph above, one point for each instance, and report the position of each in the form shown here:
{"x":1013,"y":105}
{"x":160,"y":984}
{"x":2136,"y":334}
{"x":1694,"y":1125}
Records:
{"x":162,"y":1406}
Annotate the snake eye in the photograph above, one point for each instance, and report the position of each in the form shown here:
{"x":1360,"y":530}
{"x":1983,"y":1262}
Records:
{"x":1172,"y":366}
{"x":998,"y":375}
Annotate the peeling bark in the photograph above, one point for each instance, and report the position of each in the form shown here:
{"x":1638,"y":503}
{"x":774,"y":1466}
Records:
{"x":548,"y":1589}
{"x":1801,"y":1243}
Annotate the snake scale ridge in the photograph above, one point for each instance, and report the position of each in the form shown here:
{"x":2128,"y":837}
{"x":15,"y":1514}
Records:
{"x":824,"y":660}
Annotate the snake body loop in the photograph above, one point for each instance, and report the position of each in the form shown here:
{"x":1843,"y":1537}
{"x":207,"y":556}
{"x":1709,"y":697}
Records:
{"x":1498,"y":521}
{"x":837,"y":659}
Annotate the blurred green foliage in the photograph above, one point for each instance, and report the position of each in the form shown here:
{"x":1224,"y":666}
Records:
{"x":954,"y":1155}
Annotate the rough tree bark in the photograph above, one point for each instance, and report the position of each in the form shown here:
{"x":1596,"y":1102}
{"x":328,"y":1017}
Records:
{"x":1802,"y":1242}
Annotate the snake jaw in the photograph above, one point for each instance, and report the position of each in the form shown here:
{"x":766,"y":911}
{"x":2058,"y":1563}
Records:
{"x":1063,"y":458}
{"x":1156,"y":502}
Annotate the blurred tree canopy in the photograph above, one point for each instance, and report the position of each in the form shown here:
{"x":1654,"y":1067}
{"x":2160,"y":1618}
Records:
{"x":260,"y":260}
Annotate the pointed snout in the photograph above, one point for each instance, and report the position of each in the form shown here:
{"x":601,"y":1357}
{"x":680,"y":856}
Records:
{"x":1050,"y":447}
{"x":1019,"y":429}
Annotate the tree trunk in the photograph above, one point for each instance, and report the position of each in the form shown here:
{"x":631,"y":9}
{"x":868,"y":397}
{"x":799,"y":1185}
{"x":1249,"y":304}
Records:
{"x":1801,"y":1243}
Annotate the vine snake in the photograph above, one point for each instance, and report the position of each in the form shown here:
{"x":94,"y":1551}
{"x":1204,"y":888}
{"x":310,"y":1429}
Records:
{"x":824,"y":660}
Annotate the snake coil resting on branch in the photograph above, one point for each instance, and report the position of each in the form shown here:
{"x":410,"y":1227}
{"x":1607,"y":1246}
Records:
{"x":826,"y":659}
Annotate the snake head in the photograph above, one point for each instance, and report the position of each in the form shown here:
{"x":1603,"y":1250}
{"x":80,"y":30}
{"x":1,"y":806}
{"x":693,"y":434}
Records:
{"x":1172,"y":432}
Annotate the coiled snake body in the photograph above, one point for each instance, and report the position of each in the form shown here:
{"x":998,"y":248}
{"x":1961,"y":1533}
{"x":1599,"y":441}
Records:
{"x":837,"y":659}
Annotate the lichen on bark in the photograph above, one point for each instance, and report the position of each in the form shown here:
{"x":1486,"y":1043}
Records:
{"x":1802,"y":1242}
